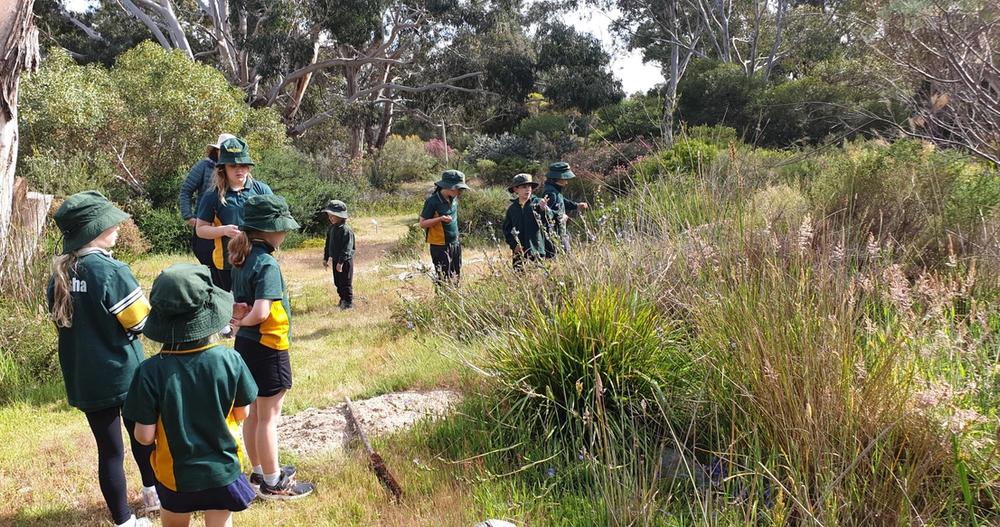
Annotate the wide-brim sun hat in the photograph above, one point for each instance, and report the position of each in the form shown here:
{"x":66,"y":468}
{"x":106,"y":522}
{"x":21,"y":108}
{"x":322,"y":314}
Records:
{"x":267,"y":213}
{"x":234,"y":151}
{"x":336,"y":207}
{"x":452,"y":180}
{"x":560,"y":170}
{"x":84,"y":216}
{"x":186,"y":306}
{"x":522,"y":179}
{"x":222,"y":139}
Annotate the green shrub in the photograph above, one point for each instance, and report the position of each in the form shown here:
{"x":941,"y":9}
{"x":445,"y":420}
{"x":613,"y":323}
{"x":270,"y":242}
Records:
{"x":57,"y":173}
{"x":146,"y":119}
{"x":636,"y":117}
{"x":481,"y":211}
{"x":548,"y":124}
{"x":295,"y":177}
{"x":401,"y":160}
{"x":686,"y":155}
{"x":500,"y":173}
{"x":163,"y":228}
{"x":176,"y":106}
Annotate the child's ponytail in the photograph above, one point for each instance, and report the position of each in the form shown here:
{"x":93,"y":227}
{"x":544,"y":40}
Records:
{"x":239,"y":249}
{"x":62,"y":294}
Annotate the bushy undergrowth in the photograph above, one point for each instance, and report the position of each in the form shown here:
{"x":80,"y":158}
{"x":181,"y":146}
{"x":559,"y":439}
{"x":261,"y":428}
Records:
{"x":482,"y":211}
{"x":828,"y":373}
{"x":401,"y":160}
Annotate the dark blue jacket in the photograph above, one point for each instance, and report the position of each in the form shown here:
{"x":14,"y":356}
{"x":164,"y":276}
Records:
{"x":198,"y":182}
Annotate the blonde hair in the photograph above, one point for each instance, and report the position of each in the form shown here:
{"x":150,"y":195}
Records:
{"x":222,"y":183}
{"x":63,"y":266}
{"x":239,"y":249}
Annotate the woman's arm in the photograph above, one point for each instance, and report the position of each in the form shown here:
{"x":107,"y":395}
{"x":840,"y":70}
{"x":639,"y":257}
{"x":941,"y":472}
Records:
{"x":258,"y":313}
{"x":145,"y":434}
{"x":213,"y":232}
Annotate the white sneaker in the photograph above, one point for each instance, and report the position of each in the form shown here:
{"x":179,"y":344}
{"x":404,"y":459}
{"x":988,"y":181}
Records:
{"x":136,"y":522}
{"x":227,"y":332}
{"x":150,"y":500}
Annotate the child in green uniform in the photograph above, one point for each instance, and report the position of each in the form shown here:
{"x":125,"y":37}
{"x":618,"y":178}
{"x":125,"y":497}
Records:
{"x":439,"y":218}
{"x":340,"y":248}
{"x":556,"y":180}
{"x":523,"y":225}
{"x":189,"y":399}
{"x":220,"y":211}
{"x":99,"y":311}
{"x":263,"y":338}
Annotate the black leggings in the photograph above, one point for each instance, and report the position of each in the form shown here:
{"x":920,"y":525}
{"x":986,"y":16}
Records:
{"x":106,"y":426}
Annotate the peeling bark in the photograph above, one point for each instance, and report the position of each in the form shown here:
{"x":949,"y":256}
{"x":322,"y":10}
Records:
{"x":19,"y":52}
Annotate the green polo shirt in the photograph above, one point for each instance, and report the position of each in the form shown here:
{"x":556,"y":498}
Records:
{"x":99,"y":354}
{"x":437,"y":205}
{"x":259,"y":278}
{"x":213,"y":211}
{"x":189,"y":395}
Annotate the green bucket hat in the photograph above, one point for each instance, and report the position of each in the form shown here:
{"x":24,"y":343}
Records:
{"x":267,"y":213}
{"x":234,"y":151}
{"x":521,"y":179}
{"x":560,"y":170}
{"x":336,"y":207}
{"x":186,"y":306}
{"x":84,"y":216}
{"x":451,"y":180}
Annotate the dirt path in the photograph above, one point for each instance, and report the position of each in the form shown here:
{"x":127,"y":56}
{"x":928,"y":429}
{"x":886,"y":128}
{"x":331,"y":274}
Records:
{"x":315,"y":430}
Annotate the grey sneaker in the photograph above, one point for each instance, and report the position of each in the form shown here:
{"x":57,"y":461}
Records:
{"x":285,"y":489}
{"x":287,"y":471}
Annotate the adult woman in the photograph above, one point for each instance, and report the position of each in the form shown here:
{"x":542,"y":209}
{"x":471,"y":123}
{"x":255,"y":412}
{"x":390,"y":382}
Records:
{"x":220,"y":211}
{"x":200,"y":181}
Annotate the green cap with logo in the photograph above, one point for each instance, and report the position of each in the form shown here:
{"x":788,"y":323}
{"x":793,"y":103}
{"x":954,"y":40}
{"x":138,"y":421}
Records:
{"x":267,"y":213}
{"x":452,"y":180}
{"x":84,"y":216}
{"x":336,"y":207}
{"x":521,"y":179}
{"x":560,"y":170}
{"x":234,"y":151}
{"x":186,"y":306}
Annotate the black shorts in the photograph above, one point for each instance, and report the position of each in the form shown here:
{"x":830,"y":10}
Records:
{"x":234,"y":497}
{"x":271,"y":368}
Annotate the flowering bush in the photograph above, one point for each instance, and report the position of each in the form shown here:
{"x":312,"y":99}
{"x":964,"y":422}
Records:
{"x":441,"y":152}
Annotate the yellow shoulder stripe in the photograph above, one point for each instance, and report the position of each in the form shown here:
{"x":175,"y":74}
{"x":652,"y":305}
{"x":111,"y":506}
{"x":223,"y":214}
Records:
{"x":133,"y":316}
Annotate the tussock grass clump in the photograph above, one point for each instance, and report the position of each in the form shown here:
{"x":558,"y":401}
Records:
{"x":604,"y":354}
